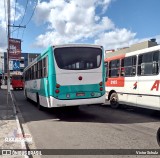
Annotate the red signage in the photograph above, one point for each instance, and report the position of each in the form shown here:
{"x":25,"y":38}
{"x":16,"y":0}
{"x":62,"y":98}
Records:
{"x":14,"y":48}
{"x":115,"y":82}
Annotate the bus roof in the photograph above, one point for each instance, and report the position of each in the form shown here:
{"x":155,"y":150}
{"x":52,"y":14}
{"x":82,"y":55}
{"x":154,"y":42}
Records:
{"x":61,"y":46}
{"x":78,"y":45}
{"x":119,"y":55}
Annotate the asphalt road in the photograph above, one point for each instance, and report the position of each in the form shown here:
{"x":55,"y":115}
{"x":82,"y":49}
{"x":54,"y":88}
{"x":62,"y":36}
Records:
{"x":90,"y":127}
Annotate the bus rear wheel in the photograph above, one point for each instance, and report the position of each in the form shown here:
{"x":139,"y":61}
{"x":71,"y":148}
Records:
{"x":38,"y":104}
{"x":114,"y":100}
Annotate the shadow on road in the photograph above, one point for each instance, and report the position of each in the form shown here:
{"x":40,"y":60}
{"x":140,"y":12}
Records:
{"x":105,"y":114}
{"x":94,"y":113}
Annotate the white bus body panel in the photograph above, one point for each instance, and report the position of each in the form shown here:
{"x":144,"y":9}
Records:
{"x":70,"y":77}
{"x":142,"y":96}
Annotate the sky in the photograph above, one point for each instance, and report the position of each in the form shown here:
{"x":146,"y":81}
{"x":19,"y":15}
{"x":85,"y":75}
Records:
{"x":110,"y":23}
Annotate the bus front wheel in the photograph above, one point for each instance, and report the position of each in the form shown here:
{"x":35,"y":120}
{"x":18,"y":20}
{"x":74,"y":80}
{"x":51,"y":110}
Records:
{"x":158,"y":136}
{"x":114,"y":100}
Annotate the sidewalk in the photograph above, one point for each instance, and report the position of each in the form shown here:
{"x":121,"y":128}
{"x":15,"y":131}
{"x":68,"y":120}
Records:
{"x":8,"y":123}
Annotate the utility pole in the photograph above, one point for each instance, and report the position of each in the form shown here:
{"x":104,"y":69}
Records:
{"x":8,"y":51}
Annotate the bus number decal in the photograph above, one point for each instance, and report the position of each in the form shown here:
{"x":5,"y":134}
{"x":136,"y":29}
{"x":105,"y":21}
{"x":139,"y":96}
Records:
{"x":117,"y":82}
{"x":113,"y":81}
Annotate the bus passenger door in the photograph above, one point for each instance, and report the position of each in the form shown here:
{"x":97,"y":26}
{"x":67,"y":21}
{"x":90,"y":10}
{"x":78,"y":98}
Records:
{"x":148,"y":80}
{"x":130,"y":90}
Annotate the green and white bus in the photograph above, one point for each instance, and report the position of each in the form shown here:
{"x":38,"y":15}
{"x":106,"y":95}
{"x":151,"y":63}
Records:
{"x":66,"y":75}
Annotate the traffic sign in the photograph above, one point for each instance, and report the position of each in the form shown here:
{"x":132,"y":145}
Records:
{"x":16,"y":65}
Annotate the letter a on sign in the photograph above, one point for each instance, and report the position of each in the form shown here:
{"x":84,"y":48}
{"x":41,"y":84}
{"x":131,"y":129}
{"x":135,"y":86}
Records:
{"x":155,"y":85}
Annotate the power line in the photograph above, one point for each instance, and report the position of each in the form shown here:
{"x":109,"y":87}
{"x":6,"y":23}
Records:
{"x":30,"y":18}
{"x":32,"y":13}
{"x":15,"y":8}
{"x":23,"y":17}
{"x":24,"y":13}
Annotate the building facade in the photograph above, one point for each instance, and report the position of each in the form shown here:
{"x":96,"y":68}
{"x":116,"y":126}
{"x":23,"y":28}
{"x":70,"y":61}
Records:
{"x":1,"y":65}
{"x":134,"y":47}
{"x":17,"y":66}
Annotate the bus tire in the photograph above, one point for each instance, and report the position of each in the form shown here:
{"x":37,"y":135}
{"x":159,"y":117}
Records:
{"x":114,"y":101}
{"x":158,"y":136}
{"x":75,"y":108}
{"x":26,"y":95}
{"x":38,"y":104}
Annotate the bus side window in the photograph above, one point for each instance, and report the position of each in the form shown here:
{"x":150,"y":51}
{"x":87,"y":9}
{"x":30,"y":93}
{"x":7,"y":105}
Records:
{"x":148,"y":63}
{"x":122,"y":67}
{"x":156,"y":60}
{"x":134,"y":59}
{"x":133,"y":71}
{"x":139,"y":64}
{"x":142,"y":68}
{"x":44,"y":67}
{"x":36,"y":70}
{"x":114,"y":70}
{"x":155,"y":67}
{"x":40,"y":69}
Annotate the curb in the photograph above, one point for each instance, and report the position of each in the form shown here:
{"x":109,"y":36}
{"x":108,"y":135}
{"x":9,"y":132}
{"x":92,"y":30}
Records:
{"x":23,"y":145}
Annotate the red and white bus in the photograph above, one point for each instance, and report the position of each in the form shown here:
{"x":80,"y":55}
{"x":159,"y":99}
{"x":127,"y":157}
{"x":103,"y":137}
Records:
{"x":17,"y":82}
{"x":133,"y":78}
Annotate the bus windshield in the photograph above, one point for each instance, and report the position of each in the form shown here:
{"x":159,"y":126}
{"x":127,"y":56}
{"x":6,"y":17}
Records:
{"x":78,"y":58}
{"x":17,"y":77}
